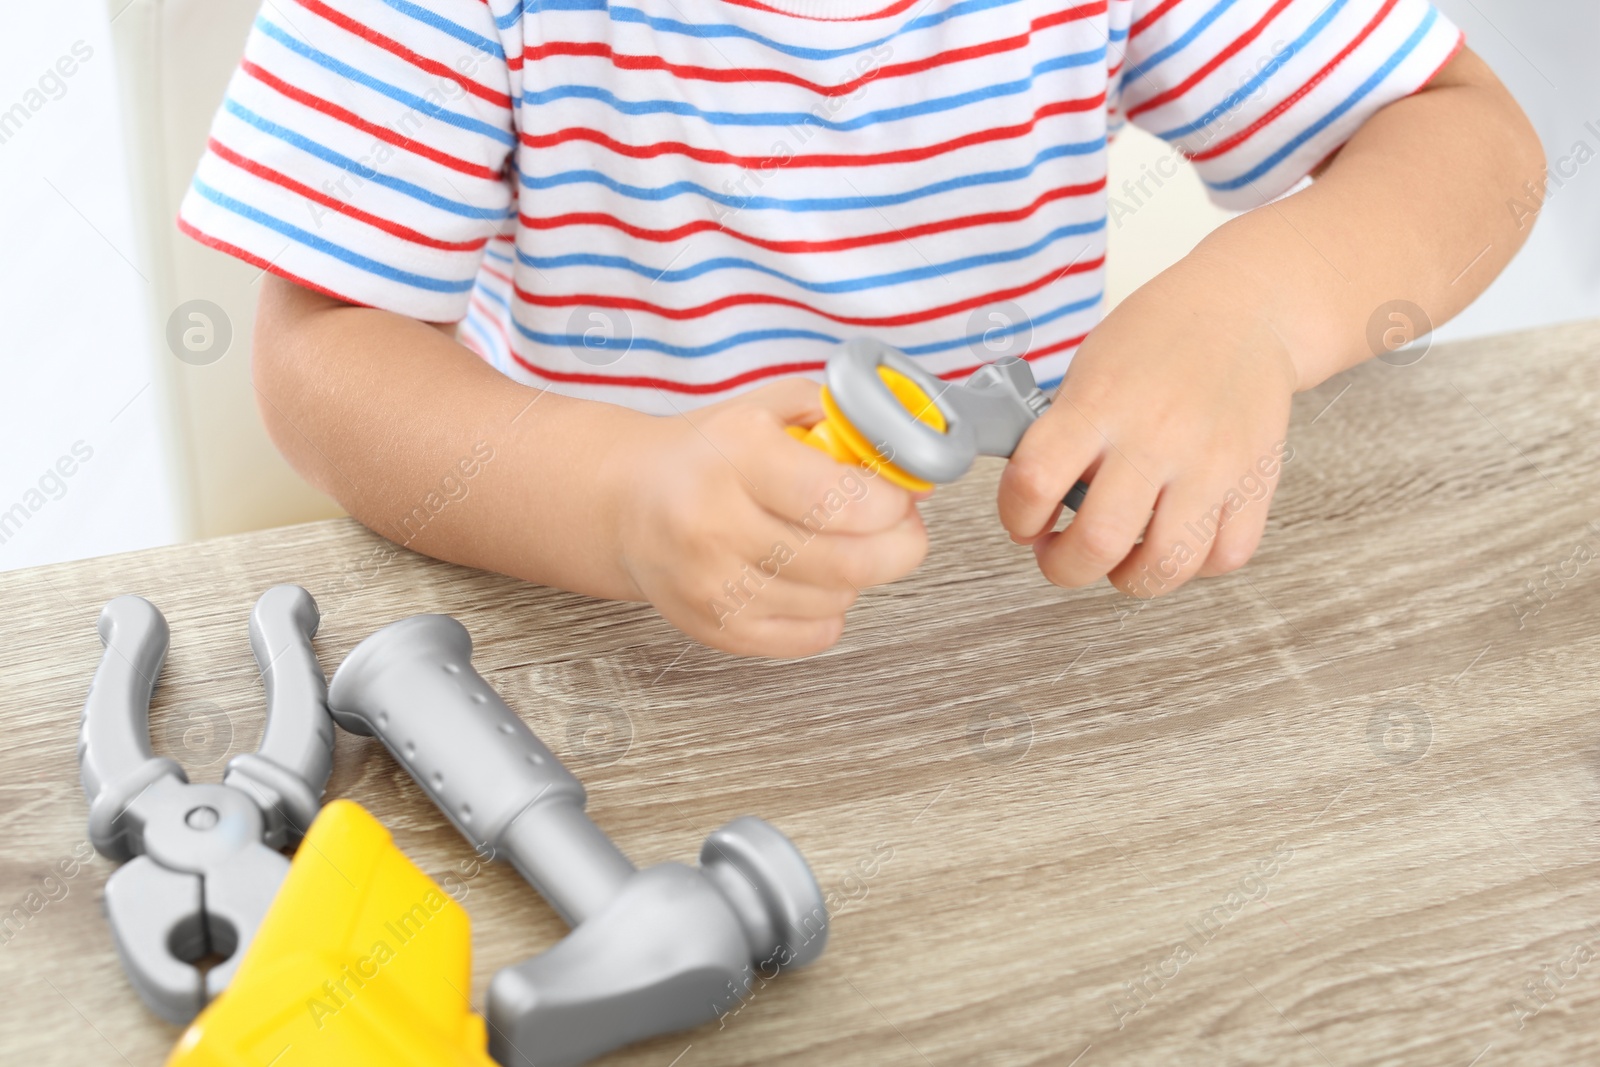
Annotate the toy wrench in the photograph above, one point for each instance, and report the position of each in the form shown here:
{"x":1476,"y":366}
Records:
{"x":884,"y":411}
{"x":202,"y":858}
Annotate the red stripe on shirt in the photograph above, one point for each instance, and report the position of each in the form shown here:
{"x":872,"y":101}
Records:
{"x":1150,"y":18}
{"x":754,"y":375}
{"x":838,"y":244}
{"x":893,"y":9}
{"x":747,"y":299}
{"x":466,"y":338}
{"x":903,"y":155}
{"x":1461,"y":40}
{"x":350,"y":118}
{"x":602,"y":50}
{"x":667,"y":384}
{"x":491,"y":272}
{"x":1455,"y":50}
{"x":488,"y":312}
{"x":220,"y":245}
{"x":1212,"y":64}
{"x":265,"y":173}
{"x":1047,"y":350}
{"x":390,"y":45}
{"x":1229,"y":144}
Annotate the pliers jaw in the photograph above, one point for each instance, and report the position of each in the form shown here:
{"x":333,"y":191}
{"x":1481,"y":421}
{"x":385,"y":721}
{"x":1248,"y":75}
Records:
{"x":198,"y":890}
{"x":203,"y":865}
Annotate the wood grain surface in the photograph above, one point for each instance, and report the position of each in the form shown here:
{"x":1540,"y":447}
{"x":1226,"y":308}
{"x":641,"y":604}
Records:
{"x":1337,"y":808}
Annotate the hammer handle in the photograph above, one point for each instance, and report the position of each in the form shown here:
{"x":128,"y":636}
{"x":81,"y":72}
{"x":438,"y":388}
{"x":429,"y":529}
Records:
{"x":412,"y":684}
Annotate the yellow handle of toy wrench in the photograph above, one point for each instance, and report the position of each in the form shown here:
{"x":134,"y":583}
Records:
{"x":839,"y":439}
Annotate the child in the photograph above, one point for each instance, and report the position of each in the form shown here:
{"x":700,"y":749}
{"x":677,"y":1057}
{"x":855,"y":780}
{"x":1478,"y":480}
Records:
{"x":503,"y":239}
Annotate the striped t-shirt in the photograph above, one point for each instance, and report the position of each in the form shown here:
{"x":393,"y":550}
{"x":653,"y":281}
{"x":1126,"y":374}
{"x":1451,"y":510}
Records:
{"x":658,"y":202}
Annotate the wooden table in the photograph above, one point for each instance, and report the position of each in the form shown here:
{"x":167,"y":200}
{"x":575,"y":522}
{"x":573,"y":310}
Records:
{"x":1340,"y":807}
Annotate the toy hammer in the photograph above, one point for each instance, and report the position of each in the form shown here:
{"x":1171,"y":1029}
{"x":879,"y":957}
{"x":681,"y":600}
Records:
{"x":651,"y":951}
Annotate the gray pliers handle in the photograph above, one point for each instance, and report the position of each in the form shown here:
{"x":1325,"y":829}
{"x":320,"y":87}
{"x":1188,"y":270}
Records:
{"x":986,"y":416}
{"x":203,"y":864}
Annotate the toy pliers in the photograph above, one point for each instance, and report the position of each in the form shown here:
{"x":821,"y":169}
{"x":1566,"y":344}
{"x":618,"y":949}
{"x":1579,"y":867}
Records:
{"x":884,"y":412}
{"x":202,"y":858}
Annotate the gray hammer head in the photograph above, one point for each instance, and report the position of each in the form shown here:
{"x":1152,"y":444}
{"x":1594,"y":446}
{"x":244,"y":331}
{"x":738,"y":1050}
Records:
{"x":677,"y":947}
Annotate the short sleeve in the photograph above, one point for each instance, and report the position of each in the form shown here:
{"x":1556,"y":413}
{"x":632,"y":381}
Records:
{"x":362,"y":150}
{"x":1257,"y":93}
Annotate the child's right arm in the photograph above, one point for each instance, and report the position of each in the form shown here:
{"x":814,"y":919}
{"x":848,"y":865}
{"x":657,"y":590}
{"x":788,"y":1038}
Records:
{"x":690,"y":513}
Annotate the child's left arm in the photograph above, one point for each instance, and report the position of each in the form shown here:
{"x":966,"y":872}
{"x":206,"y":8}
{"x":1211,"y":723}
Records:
{"x":1178,"y":402}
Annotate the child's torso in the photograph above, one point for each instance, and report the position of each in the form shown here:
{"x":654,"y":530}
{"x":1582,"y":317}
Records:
{"x":712,"y":194}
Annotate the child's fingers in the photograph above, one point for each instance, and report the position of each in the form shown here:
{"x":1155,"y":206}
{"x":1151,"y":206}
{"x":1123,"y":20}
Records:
{"x":737,"y":614}
{"x":1053,"y":454}
{"x":756,"y":596}
{"x":773,"y":638}
{"x":806,"y":487}
{"x":1239,"y":537}
{"x":861,"y":560}
{"x":1177,"y":543}
{"x":793,"y":481}
{"x":794,"y":401}
{"x":1102,"y":534}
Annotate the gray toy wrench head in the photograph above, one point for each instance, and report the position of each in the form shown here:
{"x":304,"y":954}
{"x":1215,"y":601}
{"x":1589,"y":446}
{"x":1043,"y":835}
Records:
{"x":203,"y":864}
{"x":985,"y":416}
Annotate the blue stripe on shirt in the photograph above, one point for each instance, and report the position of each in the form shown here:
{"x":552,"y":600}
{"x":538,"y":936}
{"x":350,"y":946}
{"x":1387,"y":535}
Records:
{"x":1362,"y":91}
{"x":1029,"y":323}
{"x":840,"y":203}
{"x":339,"y":252}
{"x":490,"y":348}
{"x":846,"y":285}
{"x":510,"y":18}
{"x":748,"y":337}
{"x":415,"y":103}
{"x":492,"y":295}
{"x":706,"y":31}
{"x":1233,"y":100}
{"x":809,"y":118}
{"x":445,"y":26}
{"x":328,"y":155}
{"x":1184,"y":40}
{"x":576,"y":341}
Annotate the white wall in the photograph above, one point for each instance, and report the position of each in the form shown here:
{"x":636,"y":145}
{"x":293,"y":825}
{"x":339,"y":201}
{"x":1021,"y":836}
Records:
{"x":1544,"y":50}
{"x":1161,"y":228}
{"x":75,"y":363}
{"x":75,"y":368}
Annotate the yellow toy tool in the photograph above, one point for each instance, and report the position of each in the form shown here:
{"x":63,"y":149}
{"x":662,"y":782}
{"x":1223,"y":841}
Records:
{"x":362,"y":961}
{"x":839,"y":439}
{"x":883,"y":412}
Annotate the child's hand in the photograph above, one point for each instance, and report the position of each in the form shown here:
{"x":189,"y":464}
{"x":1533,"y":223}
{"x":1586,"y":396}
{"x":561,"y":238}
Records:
{"x":748,"y":540}
{"x":1178,"y":403}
